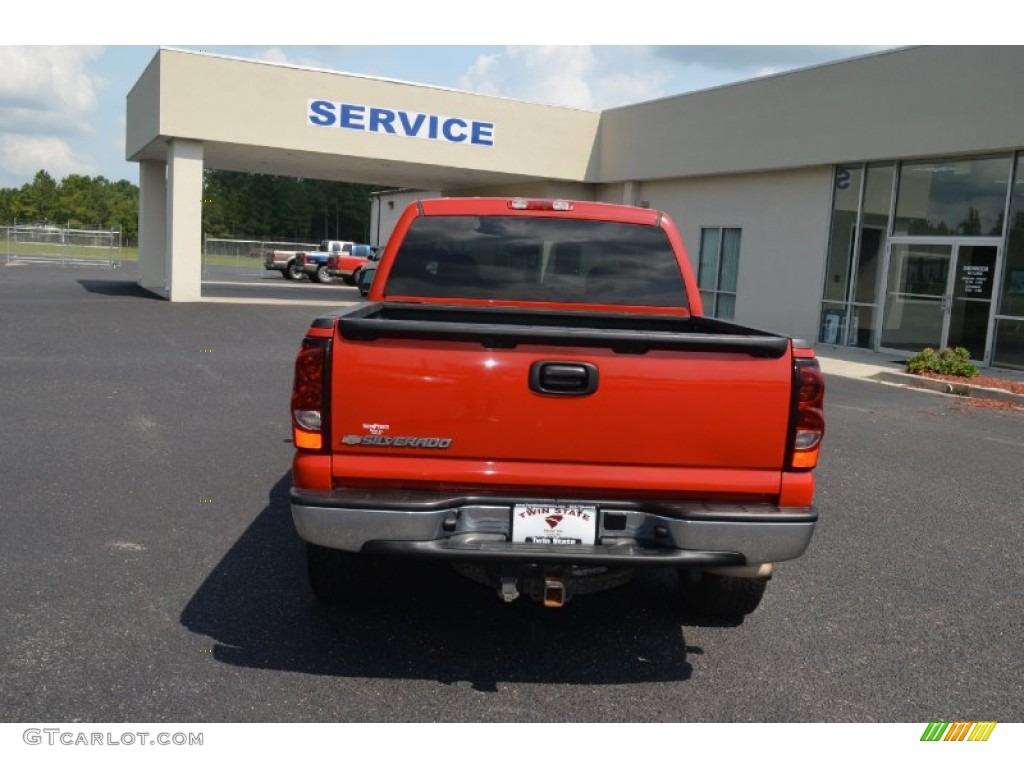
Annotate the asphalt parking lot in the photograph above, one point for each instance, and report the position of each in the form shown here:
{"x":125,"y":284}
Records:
{"x":252,"y":284}
{"x":152,"y":573}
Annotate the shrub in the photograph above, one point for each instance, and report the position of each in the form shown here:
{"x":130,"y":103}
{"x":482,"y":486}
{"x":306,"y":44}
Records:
{"x":952,"y":362}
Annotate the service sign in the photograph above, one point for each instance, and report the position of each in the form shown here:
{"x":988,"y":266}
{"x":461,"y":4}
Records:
{"x":323,"y":113}
{"x":554,"y":524}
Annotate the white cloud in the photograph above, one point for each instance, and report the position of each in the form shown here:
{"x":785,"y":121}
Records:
{"x":47,"y":93}
{"x":273,"y":55}
{"x":748,"y":58}
{"x":479,"y":76}
{"x":602,"y":77}
{"x":52,"y":79}
{"x":616,"y":90}
{"x":42,"y":121}
{"x":585,"y":77}
{"x":21,"y":156}
{"x":548,"y":74}
{"x":276,"y":55}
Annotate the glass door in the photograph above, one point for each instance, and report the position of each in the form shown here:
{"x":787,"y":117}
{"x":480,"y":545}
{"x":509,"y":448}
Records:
{"x":939,"y":295}
{"x":915,"y":296}
{"x":971,"y":302}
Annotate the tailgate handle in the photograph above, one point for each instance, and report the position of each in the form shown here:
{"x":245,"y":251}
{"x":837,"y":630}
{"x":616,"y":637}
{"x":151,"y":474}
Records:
{"x":554,"y":378}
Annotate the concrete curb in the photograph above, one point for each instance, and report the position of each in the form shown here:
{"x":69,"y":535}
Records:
{"x":947,"y":387}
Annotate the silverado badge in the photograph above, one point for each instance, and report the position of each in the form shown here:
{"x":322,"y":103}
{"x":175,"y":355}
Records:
{"x":397,"y":442}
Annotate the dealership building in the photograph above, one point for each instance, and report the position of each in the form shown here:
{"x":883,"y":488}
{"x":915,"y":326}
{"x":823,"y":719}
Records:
{"x":876,"y":202}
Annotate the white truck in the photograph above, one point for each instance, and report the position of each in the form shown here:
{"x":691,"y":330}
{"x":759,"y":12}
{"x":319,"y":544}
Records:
{"x":285,"y":262}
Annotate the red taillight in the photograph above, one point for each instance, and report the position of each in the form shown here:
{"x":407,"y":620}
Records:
{"x":808,"y":419}
{"x":308,"y":391}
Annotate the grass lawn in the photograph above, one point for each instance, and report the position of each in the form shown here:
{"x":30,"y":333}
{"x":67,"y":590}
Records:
{"x":14,"y":249}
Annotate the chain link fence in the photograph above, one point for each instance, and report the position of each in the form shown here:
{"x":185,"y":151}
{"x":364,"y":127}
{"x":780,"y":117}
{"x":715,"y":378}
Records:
{"x":50,"y":244}
{"x":228,"y":252}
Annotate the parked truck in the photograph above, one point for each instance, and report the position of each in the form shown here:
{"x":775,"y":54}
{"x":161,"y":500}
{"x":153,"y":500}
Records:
{"x":532,"y":393}
{"x":314,"y":263}
{"x":346,"y":266}
{"x":335,"y":259}
{"x":285,"y":262}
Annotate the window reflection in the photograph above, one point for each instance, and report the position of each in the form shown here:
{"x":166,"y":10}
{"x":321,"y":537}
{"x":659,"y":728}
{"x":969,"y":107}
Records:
{"x":844,"y":222}
{"x":953,"y":197}
{"x":1013,"y":272}
{"x":853,"y":273}
{"x":874,"y":226}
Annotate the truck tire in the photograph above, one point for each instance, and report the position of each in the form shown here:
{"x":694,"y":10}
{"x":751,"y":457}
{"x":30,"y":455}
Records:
{"x":322,"y":275}
{"x":348,"y":279}
{"x":720,"y":597}
{"x":293,"y":271}
{"x":339,"y":578}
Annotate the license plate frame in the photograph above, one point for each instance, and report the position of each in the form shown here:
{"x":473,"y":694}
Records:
{"x":554,"y":524}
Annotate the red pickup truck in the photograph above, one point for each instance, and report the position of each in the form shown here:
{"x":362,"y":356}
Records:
{"x":532,"y":393}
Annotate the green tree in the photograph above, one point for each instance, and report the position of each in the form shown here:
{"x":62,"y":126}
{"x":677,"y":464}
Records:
{"x":40,"y":199}
{"x":82,"y":201}
{"x":123,"y":211}
{"x":235,"y":205}
{"x":10,"y":206}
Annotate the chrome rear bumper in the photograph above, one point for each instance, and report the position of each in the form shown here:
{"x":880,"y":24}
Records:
{"x":476,"y":528}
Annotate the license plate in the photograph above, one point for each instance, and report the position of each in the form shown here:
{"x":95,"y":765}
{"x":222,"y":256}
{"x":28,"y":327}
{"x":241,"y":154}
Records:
{"x":554,"y":524}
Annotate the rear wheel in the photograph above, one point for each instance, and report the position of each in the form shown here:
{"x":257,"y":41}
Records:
{"x":322,"y":275}
{"x":720,"y":597}
{"x":348,"y":279}
{"x":340,"y":578}
{"x":293,"y":271}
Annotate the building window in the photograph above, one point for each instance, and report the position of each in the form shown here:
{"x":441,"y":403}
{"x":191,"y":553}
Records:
{"x":1009,"y":340}
{"x":856,"y":250}
{"x":719,"y":266}
{"x":953,"y":197}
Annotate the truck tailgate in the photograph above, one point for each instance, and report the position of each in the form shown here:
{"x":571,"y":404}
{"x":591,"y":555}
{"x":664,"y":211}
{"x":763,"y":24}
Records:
{"x":657,"y":412}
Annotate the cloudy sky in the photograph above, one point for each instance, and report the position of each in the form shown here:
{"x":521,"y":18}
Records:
{"x":66,"y":67}
{"x":62,"y":108}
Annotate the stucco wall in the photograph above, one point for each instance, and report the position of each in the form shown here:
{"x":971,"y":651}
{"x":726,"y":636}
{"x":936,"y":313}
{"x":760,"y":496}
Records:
{"x":784,"y":217}
{"x":918,"y":102}
{"x":143,"y":119}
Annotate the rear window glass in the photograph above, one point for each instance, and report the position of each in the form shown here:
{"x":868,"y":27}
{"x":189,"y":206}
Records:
{"x":525,"y":258}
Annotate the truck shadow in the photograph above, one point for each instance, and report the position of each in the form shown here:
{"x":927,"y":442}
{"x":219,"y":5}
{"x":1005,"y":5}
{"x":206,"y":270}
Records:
{"x":430,"y":622}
